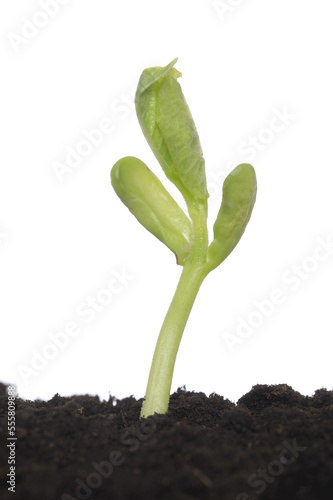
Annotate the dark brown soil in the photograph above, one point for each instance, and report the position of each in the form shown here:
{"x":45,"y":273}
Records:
{"x":274,"y":444}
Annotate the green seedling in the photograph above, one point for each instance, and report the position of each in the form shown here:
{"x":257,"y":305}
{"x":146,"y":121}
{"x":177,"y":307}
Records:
{"x":168,"y":126}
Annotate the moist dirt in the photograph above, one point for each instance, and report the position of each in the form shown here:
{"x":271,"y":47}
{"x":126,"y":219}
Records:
{"x":273,"y":443}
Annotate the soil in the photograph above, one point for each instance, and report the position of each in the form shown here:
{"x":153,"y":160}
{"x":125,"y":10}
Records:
{"x":273,"y":444}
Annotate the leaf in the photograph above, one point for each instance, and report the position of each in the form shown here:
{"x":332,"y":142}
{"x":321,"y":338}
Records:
{"x":148,"y":200}
{"x":168,"y":126}
{"x":239,"y":195}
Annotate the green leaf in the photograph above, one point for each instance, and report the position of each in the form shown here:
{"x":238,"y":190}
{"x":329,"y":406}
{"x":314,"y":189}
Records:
{"x":168,"y":126}
{"x":239,"y":195}
{"x":148,"y":200}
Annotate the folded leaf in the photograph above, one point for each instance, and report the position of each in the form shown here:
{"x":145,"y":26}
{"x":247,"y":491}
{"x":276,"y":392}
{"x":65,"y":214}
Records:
{"x":239,"y":194}
{"x":148,"y":200}
{"x":168,"y":126}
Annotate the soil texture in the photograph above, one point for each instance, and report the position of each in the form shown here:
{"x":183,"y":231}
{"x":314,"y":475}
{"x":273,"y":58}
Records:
{"x":272,"y":444}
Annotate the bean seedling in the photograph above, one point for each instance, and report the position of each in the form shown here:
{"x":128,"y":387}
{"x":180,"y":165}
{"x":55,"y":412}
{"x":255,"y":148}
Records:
{"x":168,"y":126}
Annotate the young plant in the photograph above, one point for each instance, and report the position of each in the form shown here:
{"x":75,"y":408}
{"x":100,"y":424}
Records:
{"x":169,"y":128}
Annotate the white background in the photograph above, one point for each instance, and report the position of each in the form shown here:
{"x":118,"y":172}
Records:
{"x":68,"y":68}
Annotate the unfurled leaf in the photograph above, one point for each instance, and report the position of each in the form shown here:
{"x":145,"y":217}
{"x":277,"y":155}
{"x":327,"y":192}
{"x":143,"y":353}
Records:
{"x":168,"y":126}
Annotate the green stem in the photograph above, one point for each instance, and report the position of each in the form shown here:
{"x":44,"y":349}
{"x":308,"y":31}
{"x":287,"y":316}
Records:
{"x":194,"y":272}
{"x":160,"y":376}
